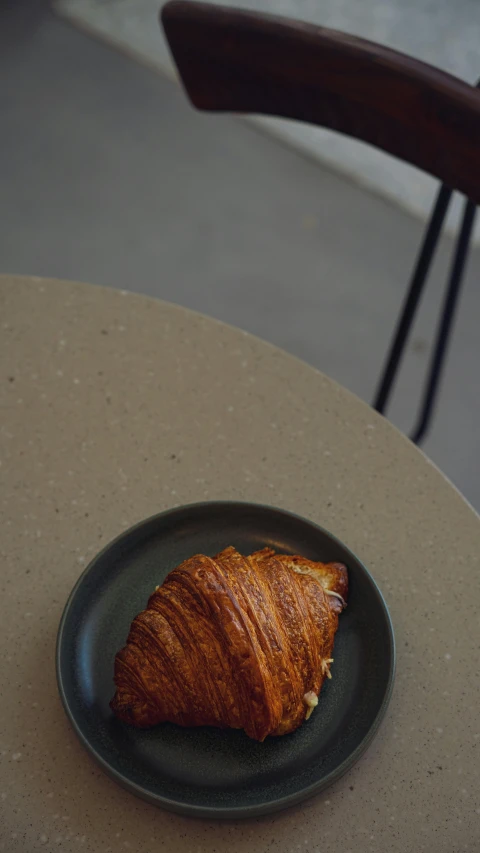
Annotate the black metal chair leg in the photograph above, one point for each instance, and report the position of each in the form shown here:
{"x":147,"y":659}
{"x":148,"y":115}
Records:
{"x":411,"y":304}
{"x":412,"y":300}
{"x":448,"y":312}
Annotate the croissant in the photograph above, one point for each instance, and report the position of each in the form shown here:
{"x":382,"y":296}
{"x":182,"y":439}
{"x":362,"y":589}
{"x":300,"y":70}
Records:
{"x":233,"y":641}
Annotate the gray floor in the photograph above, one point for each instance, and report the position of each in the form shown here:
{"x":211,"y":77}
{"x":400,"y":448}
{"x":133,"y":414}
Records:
{"x":108,"y":176}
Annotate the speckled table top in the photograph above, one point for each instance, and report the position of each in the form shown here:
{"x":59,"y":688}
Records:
{"x":99,"y":390}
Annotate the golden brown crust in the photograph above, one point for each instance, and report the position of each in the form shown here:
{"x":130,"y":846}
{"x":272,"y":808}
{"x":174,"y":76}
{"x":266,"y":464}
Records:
{"x":232,"y":642}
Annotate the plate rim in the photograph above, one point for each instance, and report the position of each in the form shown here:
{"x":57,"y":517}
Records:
{"x":230,"y":812}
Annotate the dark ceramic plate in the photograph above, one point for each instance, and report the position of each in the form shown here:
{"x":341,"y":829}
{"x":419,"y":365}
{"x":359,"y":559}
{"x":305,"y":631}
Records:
{"x":205,"y":771}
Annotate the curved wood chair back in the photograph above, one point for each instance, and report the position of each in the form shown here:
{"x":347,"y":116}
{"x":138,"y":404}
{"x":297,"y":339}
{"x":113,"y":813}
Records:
{"x":246,"y":62}
{"x":240,"y":61}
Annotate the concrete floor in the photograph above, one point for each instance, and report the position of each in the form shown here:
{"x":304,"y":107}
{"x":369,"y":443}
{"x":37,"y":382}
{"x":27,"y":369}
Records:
{"x":108,"y":176}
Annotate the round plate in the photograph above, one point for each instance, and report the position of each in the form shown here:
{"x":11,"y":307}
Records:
{"x":205,"y":771}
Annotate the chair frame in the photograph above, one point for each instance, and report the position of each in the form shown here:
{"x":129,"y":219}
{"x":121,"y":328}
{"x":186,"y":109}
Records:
{"x":246,"y":62}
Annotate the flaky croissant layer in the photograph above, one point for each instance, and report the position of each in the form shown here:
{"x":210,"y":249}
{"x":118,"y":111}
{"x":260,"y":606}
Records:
{"x":233,"y":641}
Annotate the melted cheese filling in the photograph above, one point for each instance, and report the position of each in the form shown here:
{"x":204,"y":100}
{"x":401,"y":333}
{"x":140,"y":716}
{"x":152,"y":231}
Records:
{"x":311,"y":701}
{"x":336,"y":594}
{"x":313,"y":574}
{"x":326,"y":667}
{"x":300,"y":571}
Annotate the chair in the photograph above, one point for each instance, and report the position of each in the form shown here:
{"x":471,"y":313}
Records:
{"x":245,"y":62}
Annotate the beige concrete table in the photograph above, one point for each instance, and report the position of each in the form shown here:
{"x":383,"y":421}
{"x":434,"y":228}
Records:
{"x":115,"y":407}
